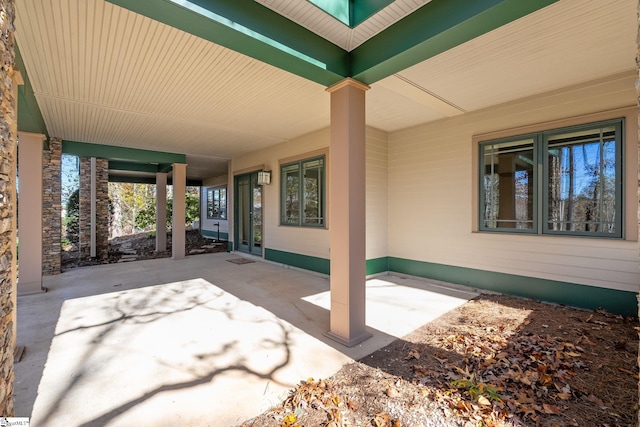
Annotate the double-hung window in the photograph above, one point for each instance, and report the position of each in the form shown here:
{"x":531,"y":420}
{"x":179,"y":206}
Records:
{"x":302,"y":193}
{"x":564,"y":181}
{"x":217,"y":203}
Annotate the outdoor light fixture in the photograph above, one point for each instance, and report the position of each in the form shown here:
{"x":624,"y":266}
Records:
{"x":264,"y":178}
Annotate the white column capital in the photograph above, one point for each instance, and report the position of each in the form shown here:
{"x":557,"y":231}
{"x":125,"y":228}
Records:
{"x":348,"y":82}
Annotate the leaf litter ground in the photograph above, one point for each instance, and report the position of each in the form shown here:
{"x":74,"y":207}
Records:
{"x":495,"y":361}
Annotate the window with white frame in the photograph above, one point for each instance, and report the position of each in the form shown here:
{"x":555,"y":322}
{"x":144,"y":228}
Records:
{"x":217,"y":203}
{"x":564,"y":181}
{"x":302,"y":193}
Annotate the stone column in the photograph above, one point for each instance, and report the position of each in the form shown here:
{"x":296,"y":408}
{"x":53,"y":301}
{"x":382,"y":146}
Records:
{"x":8,"y":141}
{"x":30,"y":212}
{"x":178,"y":237}
{"x":51,"y":207}
{"x":102,"y":209}
{"x":84,"y":205}
{"x":347,"y":212}
{"x":161,"y":212}
{"x":94,"y":210}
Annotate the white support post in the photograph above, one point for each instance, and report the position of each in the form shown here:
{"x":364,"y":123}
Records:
{"x":30,"y":212}
{"x":347,"y":213}
{"x":178,"y":239}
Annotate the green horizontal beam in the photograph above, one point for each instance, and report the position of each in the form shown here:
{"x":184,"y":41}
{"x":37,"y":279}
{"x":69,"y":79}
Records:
{"x":29,"y":115}
{"x":252,"y":29}
{"x":110,"y":152}
{"x":433,"y":29}
{"x":120,"y":165}
{"x":149,"y":180}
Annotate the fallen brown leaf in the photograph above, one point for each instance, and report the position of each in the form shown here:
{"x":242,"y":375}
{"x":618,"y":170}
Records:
{"x":595,"y":400}
{"x":551,"y":409}
{"x":413,"y":354}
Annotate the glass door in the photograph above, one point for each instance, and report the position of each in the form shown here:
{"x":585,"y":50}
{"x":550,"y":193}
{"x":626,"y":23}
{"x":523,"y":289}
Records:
{"x":248,"y":233}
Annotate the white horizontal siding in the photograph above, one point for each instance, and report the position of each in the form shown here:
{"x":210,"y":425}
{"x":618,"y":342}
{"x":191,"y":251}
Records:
{"x":431,"y":188}
{"x":377,"y":194}
{"x":316,"y":241}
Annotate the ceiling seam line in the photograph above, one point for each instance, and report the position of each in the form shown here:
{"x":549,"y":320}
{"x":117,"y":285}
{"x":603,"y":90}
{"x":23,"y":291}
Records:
{"x":417,"y":86}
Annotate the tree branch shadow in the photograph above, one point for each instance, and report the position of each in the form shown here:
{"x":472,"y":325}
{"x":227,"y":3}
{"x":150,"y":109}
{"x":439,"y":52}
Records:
{"x":129,"y":309}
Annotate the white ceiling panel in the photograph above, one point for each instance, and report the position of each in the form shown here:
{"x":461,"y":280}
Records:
{"x":389,"y":111}
{"x":103,"y":74}
{"x":568,"y":42}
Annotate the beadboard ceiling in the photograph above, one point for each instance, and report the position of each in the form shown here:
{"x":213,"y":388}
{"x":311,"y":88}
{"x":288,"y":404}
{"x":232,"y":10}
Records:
{"x":105,"y":75}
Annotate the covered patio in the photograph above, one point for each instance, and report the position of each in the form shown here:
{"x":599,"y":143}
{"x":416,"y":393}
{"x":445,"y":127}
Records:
{"x":200,"y":341}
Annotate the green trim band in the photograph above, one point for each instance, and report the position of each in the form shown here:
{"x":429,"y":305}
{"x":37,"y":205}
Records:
{"x":29,"y":115}
{"x":306,"y":262}
{"x":571,"y":294}
{"x":149,"y":180}
{"x":377,"y":265}
{"x":214,"y":234}
{"x":111,"y":152}
{"x":320,"y":265}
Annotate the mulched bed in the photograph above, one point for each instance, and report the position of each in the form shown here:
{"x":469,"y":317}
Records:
{"x":144,"y":246}
{"x":495,"y":361}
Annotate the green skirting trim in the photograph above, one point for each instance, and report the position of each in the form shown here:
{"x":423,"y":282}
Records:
{"x":320,"y":265}
{"x":214,"y":234}
{"x":306,"y":262}
{"x":571,"y":294}
{"x":377,"y":265}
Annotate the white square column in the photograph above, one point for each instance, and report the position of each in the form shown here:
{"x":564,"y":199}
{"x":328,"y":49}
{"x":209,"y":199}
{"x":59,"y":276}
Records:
{"x":178,"y":239}
{"x":161,"y":212}
{"x":30,"y":212}
{"x":347,"y":227}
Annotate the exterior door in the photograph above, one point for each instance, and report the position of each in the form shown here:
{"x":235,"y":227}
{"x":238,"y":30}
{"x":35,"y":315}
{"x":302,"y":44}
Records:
{"x":248,"y":214}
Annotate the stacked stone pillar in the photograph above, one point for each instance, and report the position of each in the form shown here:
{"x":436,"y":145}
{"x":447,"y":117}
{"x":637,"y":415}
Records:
{"x":51,"y":208}
{"x":8,"y":142}
{"x":101,"y":216}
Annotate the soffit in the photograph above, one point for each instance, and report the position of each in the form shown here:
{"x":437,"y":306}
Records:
{"x":566,"y":43}
{"x":103,"y":74}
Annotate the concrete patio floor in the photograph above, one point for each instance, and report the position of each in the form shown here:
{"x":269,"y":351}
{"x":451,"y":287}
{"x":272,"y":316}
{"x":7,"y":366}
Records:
{"x":193,"y":342}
